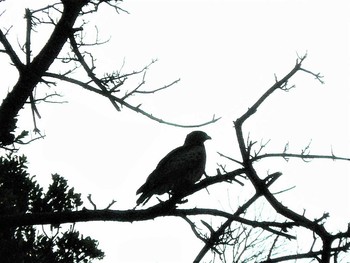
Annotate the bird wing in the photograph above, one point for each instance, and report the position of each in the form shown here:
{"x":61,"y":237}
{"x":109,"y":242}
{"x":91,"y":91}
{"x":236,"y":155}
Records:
{"x":185,"y":163}
{"x":181,"y":161}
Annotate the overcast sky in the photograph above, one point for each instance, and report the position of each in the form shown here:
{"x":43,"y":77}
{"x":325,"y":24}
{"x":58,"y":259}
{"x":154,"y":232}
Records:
{"x":226,"y":54}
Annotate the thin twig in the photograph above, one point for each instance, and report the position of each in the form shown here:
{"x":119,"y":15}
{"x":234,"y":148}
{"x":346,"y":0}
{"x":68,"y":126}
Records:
{"x":301,"y":156}
{"x":116,"y":99}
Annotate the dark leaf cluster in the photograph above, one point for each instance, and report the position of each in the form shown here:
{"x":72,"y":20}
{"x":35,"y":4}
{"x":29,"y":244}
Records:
{"x":21,"y":194}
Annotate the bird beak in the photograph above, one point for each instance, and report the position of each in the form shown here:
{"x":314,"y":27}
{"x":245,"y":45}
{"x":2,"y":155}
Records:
{"x":208,"y":137}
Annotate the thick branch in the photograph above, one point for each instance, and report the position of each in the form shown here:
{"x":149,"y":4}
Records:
{"x":166,"y":208}
{"x":31,"y":75}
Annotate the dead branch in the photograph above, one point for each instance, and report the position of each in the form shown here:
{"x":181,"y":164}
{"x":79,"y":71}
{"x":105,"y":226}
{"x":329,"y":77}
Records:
{"x":211,"y":242}
{"x":30,"y":75}
{"x":116,"y":99}
{"x":300,"y":156}
{"x":259,"y":185}
{"x":262,"y":185}
{"x":11,"y":53}
{"x":159,"y":89}
{"x":89,"y":70}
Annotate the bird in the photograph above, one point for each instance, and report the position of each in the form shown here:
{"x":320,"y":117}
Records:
{"x":180,"y":168}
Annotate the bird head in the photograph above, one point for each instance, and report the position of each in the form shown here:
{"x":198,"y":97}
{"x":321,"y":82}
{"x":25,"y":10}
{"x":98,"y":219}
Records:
{"x":196,"y":138}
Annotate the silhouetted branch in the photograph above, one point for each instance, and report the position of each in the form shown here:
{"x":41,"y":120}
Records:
{"x":31,"y":72}
{"x":259,"y":185}
{"x":159,"y":89}
{"x":230,"y":158}
{"x":211,"y":242}
{"x":11,"y":53}
{"x":213,"y":239}
{"x":30,"y":75}
{"x":310,"y":254}
{"x":109,"y":86}
{"x":166,"y":208}
{"x":116,"y":99}
{"x":300,"y":156}
{"x":262,"y":186}
{"x":89,"y":70}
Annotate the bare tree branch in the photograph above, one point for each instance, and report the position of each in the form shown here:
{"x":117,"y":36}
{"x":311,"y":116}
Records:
{"x":300,"y":156}
{"x":89,"y":71}
{"x":122,"y":102}
{"x":11,"y":53}
{"x":215,"y":238}
{"x":30,"y":75}
{"x":259,"y":185}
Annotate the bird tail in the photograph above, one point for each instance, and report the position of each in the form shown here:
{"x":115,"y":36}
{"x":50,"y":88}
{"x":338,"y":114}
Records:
{"x":143,"y":199}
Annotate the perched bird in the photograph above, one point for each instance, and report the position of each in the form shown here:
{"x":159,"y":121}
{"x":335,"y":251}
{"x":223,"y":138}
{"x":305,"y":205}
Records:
{"x":180,"y":168}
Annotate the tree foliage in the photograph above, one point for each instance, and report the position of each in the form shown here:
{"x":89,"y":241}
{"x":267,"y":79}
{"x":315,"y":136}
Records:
{"x":20,"y":194}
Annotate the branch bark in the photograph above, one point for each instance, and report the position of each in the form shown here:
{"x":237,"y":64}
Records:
{"x":30,"y":75}
{"x":167,"y":208}
{"x":258,"y":183}
{"x":261,"y":185}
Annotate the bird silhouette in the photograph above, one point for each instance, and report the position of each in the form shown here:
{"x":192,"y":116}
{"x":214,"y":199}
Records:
{"x":179,"y":169}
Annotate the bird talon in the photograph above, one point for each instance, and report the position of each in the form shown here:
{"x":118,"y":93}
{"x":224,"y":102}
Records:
{"x":184,"y":201}
{"x":160,"y":200}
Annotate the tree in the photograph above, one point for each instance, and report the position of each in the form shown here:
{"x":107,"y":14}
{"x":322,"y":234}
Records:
{"x":21,"y":194}
{"x":251,"y":240}
{"x":26,"y":243}
{"x":36,"y":70}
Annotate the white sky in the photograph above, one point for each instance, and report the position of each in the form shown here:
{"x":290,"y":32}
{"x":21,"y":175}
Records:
{"x":226,"y":54}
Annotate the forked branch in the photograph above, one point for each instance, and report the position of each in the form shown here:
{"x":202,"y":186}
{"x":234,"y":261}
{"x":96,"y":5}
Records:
{"x":261,"y":185}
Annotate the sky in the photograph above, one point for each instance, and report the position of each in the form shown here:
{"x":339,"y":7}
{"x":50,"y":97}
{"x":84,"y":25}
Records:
{"x":226,"y":54}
